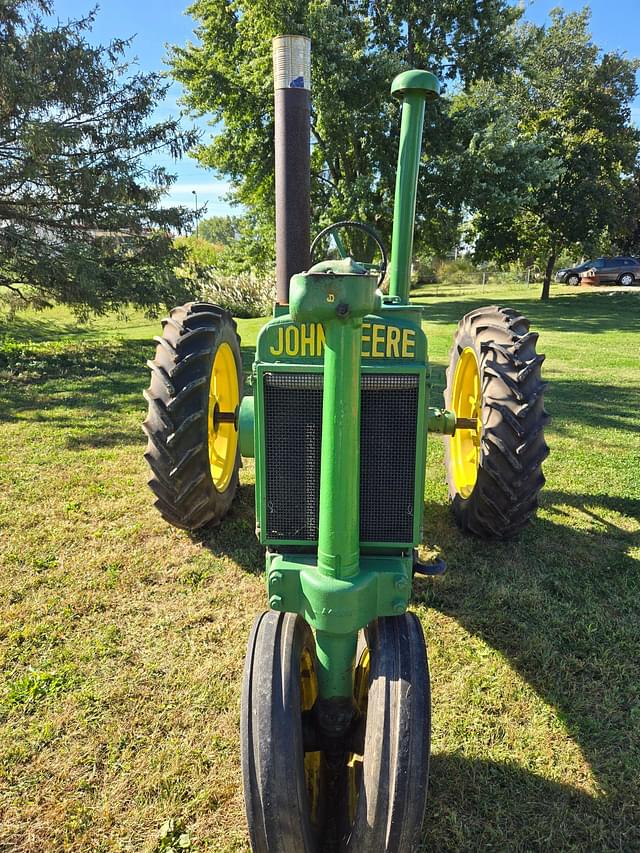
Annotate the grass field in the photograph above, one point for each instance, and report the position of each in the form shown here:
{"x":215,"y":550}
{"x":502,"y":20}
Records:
{"x":122,"y":640}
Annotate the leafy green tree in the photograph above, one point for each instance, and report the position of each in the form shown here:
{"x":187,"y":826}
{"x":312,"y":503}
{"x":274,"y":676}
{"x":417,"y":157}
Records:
{"x":79,"y":215}
{"x":358,"y":47}
{"x":220,"y":230}
{"x":568,"y":102}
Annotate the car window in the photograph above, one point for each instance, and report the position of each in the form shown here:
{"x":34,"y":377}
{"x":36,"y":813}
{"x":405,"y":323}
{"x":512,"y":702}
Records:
{"x":599,"y":263}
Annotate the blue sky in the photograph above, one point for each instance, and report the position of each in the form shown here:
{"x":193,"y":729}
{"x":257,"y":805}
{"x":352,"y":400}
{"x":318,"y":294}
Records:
{"x":615,"y":25}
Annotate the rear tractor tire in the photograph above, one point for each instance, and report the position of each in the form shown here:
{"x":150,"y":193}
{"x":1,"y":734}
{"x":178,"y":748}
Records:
{"x":494,"y":472}
{"x":192,"y":422}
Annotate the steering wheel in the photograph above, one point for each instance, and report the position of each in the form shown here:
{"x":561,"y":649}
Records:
{"x":342,"y":246}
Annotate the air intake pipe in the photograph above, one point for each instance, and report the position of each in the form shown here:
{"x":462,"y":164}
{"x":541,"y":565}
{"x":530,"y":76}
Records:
{"x":414,"y":88}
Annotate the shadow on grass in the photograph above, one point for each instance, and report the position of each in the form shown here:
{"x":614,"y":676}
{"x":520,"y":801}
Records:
{"x":582,"y":312}
{"x":476,"y":805}
{"x":235,"y":537}
{"x":23,"y":329}
{"x":562,"y":604}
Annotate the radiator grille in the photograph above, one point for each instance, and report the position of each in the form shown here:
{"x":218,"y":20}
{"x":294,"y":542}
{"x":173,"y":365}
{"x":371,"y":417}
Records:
{"x":293,"y":428}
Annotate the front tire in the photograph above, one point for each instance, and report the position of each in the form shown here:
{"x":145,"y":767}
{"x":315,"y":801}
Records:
{"x":494,"y":472}
{"x":192,"y":454}
{"x":284,"y":786}
{"x":573,"y":280}
{"x":387,"y":784}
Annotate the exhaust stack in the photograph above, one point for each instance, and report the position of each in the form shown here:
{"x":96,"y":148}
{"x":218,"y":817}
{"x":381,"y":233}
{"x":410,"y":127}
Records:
{"x":292,"y":85}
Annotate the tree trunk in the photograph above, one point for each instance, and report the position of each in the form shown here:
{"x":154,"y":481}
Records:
{"x":546,"y":284}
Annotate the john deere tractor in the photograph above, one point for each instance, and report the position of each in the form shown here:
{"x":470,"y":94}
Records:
{"x":335,"y":712}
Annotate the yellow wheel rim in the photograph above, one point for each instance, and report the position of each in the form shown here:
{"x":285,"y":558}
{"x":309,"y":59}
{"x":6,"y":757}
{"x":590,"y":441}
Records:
{"x":354,"y":760}
{"x":224,"y":394}
{"x":312,"y":760}
{"x":466,"y":402}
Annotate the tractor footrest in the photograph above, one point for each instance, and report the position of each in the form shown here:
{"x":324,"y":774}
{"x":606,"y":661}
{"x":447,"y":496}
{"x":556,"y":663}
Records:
{"x":437,"y":567}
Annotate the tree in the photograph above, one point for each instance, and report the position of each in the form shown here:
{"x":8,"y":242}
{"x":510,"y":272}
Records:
{"x":358,"y":47}
{"x":569,"y":103}
{"x":220,"y":230}
{"x":79,"y":215}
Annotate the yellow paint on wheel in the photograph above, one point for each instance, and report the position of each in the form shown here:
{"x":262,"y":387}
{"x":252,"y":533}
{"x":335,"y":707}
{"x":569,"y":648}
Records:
{"x":312,"y":760}
{"x":466,"y":402}
{"x":224,"y":393}
{"x":354,"y":760}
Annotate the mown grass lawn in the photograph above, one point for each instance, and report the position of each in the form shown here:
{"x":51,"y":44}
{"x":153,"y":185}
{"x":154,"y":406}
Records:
{"x":122,"y":640}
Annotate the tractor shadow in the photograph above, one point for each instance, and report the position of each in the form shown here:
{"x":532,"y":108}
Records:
{"x":562,"y":604}
{"x":476,"y":805}
{"x":235,"y":539}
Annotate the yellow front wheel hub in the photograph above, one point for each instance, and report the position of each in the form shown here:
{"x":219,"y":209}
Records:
{"x":224,"y":396}
{"x":466,"y":402}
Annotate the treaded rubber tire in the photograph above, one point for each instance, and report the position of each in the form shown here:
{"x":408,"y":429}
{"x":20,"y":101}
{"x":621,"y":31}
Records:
{"x":505,"y":496}
{"x":271,"y":742}
{"x":176,"y":424}
{"x":393,"y":789}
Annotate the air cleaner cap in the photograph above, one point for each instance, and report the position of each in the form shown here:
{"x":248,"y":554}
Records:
{"x":416,"y":81}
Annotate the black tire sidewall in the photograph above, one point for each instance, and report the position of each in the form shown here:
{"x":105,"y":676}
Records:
{"x":393,"y":789}
{"x":272,"y":750}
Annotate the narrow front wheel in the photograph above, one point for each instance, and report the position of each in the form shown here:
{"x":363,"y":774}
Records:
{"x":386,"y":783}
{"x":284,"y":786}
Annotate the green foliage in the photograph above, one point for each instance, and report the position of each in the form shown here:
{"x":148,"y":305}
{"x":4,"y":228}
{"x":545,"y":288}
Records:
{"x":198,"y":253}
{"x":173,"y":837}
{"x":34,"y":686}
{"x":219,"y":230}
{"x":78,"y":200}
{"x":358,"y":47}
{"x":222,"y":275}
{"x":423,"y":272}
{"x":245,"y":294}
{"x":554,"y":165}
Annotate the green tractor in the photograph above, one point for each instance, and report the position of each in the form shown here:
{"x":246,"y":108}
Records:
{"x":335,"y":712}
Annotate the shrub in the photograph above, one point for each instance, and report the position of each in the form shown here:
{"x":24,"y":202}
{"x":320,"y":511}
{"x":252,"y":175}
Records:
{"x":423,"y":272}
{"x":245,"y":294}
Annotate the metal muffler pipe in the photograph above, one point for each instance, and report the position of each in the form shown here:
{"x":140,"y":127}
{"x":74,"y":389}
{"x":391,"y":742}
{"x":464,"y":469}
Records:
{"x":292,"y":85}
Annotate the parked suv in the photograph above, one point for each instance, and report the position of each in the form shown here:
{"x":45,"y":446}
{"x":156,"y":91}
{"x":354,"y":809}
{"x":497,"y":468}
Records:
{"x":620,"y":270}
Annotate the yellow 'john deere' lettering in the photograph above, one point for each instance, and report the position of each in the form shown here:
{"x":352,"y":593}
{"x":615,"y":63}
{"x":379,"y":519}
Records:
{"x":378,"y":341}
